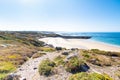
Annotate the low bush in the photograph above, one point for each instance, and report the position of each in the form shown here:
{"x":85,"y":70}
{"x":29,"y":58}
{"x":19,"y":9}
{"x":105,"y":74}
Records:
{"x":6,"y":68}
{"x":117,"y":73}
{"x":46,"y":67}
{"x":74,"y":65}
{"x":59,"y":60}
{"x":100,"y":58}
{"x":107,"y":53}
{"x":91,"y":76}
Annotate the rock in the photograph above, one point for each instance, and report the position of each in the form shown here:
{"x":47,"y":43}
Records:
{"x":34,"y":68}
{"x":49,"y":45}
{"x":84,"y":67}
{"x":65,"y":53}
{"x":58,"y":48}
{"x":23,"y":78}
{"x":72,"y":55}
{"x":73,"y":49}
{"x":21,"y":69}
{"x":12,"y":77}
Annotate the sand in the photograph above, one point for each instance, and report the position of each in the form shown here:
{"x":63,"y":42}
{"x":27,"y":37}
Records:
{"x":79,"y":43}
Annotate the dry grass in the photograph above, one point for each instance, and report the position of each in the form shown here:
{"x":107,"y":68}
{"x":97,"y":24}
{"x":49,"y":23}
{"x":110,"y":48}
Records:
{"x":5,"y":68}
{"x":47,"y":49}
{"x":100,"y":58}
{"x":36,"y":55}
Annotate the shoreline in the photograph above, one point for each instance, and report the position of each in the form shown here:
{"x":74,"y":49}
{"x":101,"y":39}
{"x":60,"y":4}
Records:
{"x":105,"y":43}
{"x":113,"y":45}
{"x":80,"y":43}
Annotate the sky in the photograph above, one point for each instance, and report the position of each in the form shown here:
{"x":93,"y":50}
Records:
{"x":60,"y":15}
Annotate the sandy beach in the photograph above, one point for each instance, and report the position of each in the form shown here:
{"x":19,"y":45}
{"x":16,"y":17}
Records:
{"x":79,"y":43}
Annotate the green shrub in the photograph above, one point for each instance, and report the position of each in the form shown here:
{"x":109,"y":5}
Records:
{"x":5,"y":68}
{"x":46,"y":67}
{"x":86,"y":55}
{"x":117,"y":73}
{"x":47,"y":49}
{"x":91,"y":76}
{"x":107,"y":53}
{"x":59,"y":60}
{"x":73,"y":65}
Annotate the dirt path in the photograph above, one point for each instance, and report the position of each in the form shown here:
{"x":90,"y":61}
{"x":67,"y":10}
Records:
{"x":29,"y":69}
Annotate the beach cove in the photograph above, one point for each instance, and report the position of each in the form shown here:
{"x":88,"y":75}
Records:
{"x":79,"y":43}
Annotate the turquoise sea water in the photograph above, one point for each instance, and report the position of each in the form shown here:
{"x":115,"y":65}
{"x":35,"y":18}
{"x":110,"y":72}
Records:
{"x":106,"y":37}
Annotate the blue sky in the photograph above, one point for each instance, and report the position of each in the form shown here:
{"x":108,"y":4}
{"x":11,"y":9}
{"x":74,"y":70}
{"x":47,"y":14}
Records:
{"x":60,"y":15}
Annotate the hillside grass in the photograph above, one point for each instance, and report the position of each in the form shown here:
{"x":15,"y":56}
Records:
{"x":6,"y":68}
{"x":59,"y":60}
{"x":15,"y":49}
{"x":91,"y":76}
{"x":100,"y":58}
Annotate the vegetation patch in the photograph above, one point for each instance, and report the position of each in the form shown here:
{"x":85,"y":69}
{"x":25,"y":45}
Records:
{"x":91,"y":76}
{"x":36,"y":55}
{"x":46,"y":67}
{"x":59,"y":60}
{"x":117,"y":73}
{"x":47,"y":49}
{"x":107,"y":53}
{"x":99,"y":58}
{"x":74,"y":65}
{"x":6,"y":68}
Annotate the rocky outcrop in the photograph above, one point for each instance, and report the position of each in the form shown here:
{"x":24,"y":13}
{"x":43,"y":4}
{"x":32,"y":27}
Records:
{"x":12,"y":77}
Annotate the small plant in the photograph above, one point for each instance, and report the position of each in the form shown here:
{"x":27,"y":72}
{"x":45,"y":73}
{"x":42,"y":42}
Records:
{"x":74,"y":65}
{"x":117,"y":73}
{"x":46,"y":67}
{"x":91,"y":76}
{"x":86,"y":55}
{"x":59,"y":60}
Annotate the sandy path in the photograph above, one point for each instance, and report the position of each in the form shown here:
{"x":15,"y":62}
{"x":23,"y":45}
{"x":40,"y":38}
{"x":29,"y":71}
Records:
{"x":80,"y":43}
{"x":27,"y":69}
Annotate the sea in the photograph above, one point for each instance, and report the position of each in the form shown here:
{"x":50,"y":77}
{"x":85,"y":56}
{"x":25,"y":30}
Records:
{"x":112,"y":38}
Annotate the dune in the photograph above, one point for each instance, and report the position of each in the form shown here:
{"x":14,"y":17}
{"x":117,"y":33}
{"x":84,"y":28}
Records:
{"x":79,"y":43}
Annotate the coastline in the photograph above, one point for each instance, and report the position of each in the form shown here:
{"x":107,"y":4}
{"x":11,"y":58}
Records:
{"x":105,"y":43}
{"x":80,"y":43}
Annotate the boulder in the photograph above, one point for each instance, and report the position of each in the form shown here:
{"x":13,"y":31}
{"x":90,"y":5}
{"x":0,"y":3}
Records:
{"x":58,"y":48}
{"x":84,"y":67}
{"x":12,"y":77}
{"x":34,"y":68}
{"x":73,"y":49}
{"x":72,"y":55}
{"x":65,"y":53}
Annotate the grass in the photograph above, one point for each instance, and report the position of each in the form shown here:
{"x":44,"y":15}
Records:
{"x":18,"y":48}
{"x":13,"y":56}
{"x":59,"y":60}
{"x":91,"y":76}
{"x":36,"y":55}
{"x":47,"y":49}
{"x":73,"y":65}
{"x":6,"y":68}
{"x":100,"y":58}
{"x":117,"y":73}
{"x":46,"y":67}
{"x":107,"y":53}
